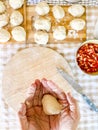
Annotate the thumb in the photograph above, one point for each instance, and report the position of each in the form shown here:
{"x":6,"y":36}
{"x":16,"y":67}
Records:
{"x":22,"y":117}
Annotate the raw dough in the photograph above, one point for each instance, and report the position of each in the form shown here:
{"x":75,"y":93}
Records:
{"x":58,"y":12}
{"x":4,"y":35}
{"x":19,"y":33}
{"x":42,"y":8}
{"x":50,"y":105}
{"x":2,"y":7}
{"x":16,"y":4}
{"x":41,"y":37}
{"x":76,"y":10}
{"x":59,"y":33}
{"x":16,"y":18}
{"x":4,"y":19}
{"x":42,"y":24}
{"x":77,"y":24}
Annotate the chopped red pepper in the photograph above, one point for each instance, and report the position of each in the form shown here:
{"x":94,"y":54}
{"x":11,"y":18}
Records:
{"x":87,"y":57}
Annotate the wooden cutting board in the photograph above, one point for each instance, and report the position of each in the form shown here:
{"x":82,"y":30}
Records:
{"x":9,"y":27}
{"x":28,"y":65}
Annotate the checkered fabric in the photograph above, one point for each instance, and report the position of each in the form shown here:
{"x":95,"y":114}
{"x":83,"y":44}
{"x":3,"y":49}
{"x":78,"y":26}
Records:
{"x":89,"y":119}
{"x":83,"y":2}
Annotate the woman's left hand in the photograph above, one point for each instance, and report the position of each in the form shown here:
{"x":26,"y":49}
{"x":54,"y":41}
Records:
{"x":31,"y":114}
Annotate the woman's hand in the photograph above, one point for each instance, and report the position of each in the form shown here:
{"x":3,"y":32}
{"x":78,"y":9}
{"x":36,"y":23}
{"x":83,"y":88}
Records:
{"x":31,"y":114}
{"x":68,"y":119}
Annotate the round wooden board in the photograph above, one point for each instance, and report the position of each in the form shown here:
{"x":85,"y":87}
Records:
{"x":28,"y":65}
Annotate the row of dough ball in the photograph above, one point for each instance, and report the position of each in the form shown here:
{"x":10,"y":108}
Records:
{"x":15,"y":4}
{"x":16,"y":18}
{"x":45,"y":24}
{"x":18,"y":34}
{"x":42,"y":37}
{"x":59,"y":33}
{"x":76,"y":10}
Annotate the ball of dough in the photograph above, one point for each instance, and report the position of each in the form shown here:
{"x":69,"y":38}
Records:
{"x":16,"y":18}
{"x":2,"y":7}
{"x":42,"y":24}
{"x":59,"y":33}
{"x":41,"y":37}
{"x":42,"y":8}
{"x":77,"y":24}
{"x":58,"y":12}
{"x":19,"y":33}
{"x":50,"y":105}
{"x":76,"y":10}
{"x":4,"y":35}
{"x":4,"y":19}
{"x":16,"y":4}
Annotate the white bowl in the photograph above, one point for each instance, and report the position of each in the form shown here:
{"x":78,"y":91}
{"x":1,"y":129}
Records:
{"x":86,"y":42}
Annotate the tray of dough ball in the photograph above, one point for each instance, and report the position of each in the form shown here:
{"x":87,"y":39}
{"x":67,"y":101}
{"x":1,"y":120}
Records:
{"x":12,"y":21}
{"x":55,"y":23}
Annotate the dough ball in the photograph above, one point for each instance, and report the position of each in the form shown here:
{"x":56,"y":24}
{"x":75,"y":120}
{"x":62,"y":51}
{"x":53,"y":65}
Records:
{"x":50,"y":105}
{"x":59,"y":33}
{"x":42,"y":24}
{"x":19,"y":33}
{"x":76,"y":10}
{"x":4,"y":19}
{"x":4,"y":35}
{"x":2,"y":7}
{"x":58,"y":12}
{"x":16,"y":18}
{"x":77,"y":24}
{"x":41,"y":37}
{"x":16,"y":4}
{"x":42,"y":8}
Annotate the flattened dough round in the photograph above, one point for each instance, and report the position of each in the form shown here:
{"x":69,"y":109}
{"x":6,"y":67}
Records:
{"x":4,"y":19}
{"x":42,"y":8}
{"x":4,"y":35}
{"x":42,"y":24}
{"x":76,"y":10}
{"x":16,"y":4}
{"x":58,"y":12}
{"x":59,"y":33}
{"x":19,"y":33}
{"x":41,"y":37}
{"x":77,"y":24}
{"x":16,"y":18}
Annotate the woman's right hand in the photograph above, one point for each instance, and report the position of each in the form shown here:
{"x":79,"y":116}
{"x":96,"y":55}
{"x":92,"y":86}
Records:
{"x":68,"y":119}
